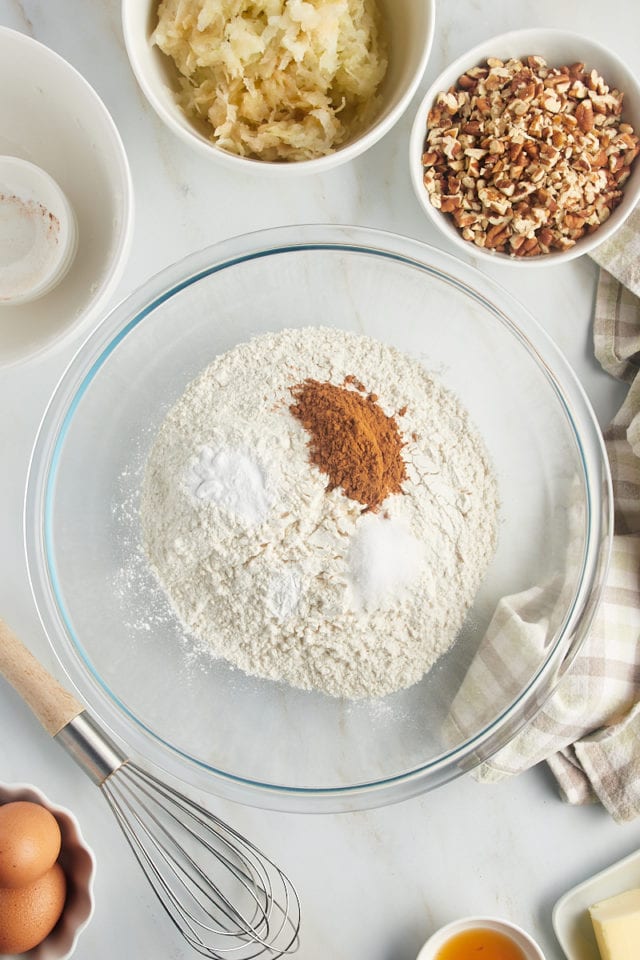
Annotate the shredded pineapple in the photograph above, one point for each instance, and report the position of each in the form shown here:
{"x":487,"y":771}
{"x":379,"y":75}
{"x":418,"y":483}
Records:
{"x":276,"y":79}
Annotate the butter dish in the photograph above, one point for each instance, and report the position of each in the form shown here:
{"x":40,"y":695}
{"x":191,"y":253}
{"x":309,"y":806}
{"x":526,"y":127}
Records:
{"x":571,"y":921}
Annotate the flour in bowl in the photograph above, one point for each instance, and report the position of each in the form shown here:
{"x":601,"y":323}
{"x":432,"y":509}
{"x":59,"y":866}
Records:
{"x":269,"y":563}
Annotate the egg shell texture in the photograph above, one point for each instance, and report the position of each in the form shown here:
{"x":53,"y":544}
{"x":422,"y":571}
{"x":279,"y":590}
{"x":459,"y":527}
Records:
{"x":29,"y":843}
{"x":29,"y":914}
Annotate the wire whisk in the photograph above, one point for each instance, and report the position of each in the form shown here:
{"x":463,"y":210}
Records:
{"x":226,"y":897}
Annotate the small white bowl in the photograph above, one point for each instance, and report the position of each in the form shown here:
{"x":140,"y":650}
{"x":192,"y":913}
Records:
{"x":51,"y":117}
{"x":78,"y":863}
{"x":38,"y":233}
{"x":411,"y":29}
{"x":437,"y":941}
{"x":558,"y":48}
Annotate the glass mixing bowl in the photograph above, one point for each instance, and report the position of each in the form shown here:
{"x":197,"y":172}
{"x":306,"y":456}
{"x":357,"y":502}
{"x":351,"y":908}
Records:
{"x":255,"y":740}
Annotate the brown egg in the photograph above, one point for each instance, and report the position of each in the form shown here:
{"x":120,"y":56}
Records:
{"x":29,"y":842}
{"x":29,"y":914}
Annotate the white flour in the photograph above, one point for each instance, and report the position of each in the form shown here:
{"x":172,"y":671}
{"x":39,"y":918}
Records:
{"x":286,"y":580}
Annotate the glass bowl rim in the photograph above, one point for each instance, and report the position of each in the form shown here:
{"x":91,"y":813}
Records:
{"x":77,"y":378}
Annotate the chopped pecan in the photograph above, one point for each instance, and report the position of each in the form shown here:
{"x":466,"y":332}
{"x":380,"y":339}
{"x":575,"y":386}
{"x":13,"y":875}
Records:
{"x":465,"y":82}
{"x":526,"y":159}
{"x":584,"y":116}
{"x":496,"y":236}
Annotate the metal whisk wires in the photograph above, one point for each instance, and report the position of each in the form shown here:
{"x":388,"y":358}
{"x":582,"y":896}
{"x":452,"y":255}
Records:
{"x":232,"y":899}
{"x":223,"y":894}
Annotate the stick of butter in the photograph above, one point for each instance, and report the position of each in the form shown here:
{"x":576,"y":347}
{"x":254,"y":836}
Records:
{"x":616,"y":924}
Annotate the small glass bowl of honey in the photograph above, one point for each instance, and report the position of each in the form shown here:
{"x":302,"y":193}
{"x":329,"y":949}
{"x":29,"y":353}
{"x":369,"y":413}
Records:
{"x":482,"y":937}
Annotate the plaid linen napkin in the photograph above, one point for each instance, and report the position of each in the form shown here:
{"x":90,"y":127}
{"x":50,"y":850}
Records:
{"x":589,"y":730}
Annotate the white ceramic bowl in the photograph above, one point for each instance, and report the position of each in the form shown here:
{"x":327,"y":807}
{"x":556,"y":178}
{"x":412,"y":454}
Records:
{"x":38,"y":232}
{"x":51,"y":117}
{"x":411,"y":29}
{"x":437,"y":941}
{"x":78,"y":863}
{"x":558,"y":47}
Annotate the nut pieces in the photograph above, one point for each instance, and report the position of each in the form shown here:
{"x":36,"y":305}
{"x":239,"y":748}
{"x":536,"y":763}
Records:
{"x":526,"y":158}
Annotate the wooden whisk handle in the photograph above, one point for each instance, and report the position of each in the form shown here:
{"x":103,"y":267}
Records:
{"x":54,"y":706}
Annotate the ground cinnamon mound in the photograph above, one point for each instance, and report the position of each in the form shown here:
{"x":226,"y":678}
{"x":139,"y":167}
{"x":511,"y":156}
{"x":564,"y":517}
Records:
{"x":352,"y":440}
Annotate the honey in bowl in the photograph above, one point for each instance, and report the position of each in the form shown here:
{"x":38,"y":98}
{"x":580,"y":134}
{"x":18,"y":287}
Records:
{"x":480,"y":944}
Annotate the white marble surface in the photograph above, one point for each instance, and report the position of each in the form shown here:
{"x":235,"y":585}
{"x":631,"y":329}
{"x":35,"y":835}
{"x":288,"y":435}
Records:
{"x":373,"y":885}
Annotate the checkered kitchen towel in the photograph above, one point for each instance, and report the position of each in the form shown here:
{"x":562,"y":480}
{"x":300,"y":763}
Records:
{"x":589,"y":729}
